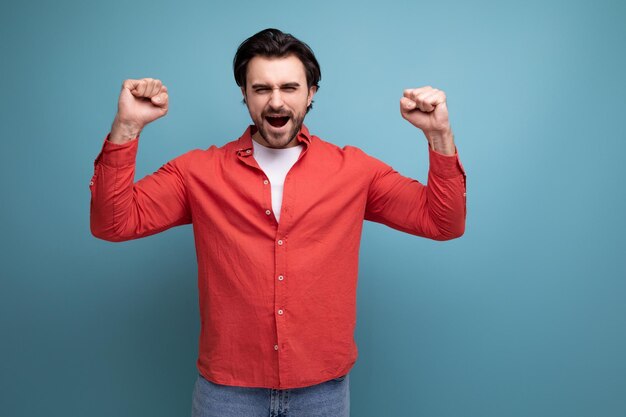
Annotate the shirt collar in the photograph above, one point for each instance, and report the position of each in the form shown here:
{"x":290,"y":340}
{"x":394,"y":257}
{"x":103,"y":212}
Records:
{"x":244,"y":144}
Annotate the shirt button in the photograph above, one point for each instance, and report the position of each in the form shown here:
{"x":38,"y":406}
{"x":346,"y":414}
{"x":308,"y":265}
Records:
{"x":280,"y":312}
{"x":248,"y":151}
{"x":280,"y":242}
{"x":275,"y":347}
{"x":90,"y":182}
{"x":280,"y":277}
{"x":266,"y":182}
{"x":268,"y":212}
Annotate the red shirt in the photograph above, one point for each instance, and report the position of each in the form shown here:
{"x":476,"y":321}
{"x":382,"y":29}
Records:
{"x":277,"y":300}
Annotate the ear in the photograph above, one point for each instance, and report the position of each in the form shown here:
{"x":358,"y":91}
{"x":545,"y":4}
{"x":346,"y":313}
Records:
{"x":312,"y":91}
{"x":243,"y":93}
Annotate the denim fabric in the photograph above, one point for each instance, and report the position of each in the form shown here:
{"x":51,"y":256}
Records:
{"x":328,"y":399}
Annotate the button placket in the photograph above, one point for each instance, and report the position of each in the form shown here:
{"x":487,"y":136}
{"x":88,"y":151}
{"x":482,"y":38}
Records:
{"x":267,"y":198}
{"x":281,"y":286}
{"x":281,"y":318}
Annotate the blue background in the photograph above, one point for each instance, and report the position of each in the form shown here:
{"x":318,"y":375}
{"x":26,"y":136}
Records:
{"x":524,"y":315}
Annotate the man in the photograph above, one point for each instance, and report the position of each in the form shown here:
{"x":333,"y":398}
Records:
{"x":277,"y":217}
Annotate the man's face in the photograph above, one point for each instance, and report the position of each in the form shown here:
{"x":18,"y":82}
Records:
{"x":277,"y":97}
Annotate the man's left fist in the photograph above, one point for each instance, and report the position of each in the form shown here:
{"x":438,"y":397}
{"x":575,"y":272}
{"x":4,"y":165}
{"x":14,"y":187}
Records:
{"x":425,"y":108}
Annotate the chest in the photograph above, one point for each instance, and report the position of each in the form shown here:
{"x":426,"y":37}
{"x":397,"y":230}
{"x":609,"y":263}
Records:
{"x":315,"y":193}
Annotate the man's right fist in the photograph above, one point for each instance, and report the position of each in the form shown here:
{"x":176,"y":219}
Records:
{"x":140,"y":102}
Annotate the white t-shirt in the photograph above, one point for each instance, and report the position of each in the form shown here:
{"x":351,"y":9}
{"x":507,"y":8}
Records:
{"x":276,"y":163}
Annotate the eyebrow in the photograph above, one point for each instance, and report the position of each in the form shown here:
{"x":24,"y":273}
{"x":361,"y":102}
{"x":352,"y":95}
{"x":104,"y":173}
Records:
{"x":292,"y":84}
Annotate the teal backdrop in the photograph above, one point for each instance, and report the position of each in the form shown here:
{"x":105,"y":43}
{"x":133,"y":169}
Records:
{"x":522,"y":316}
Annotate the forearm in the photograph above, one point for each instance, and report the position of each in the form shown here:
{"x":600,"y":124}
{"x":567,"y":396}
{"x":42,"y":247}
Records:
{"x":441,"y":141}
{"x":123,"y":132}
{"x":111,"y":190}
{"x":446,"y":196}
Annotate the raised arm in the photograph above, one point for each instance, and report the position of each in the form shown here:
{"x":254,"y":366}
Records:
{"x":121,"y":209}
{"x":436,"y":210}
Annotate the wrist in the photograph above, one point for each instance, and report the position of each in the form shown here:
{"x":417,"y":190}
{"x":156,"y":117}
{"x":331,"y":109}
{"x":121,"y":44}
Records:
{"x":441,"y":141}
{"x":122,"y":132}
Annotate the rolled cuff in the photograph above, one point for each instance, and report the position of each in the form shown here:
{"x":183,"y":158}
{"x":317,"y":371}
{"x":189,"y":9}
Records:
{"x":118,"y":155}
{"x":445,"y":166}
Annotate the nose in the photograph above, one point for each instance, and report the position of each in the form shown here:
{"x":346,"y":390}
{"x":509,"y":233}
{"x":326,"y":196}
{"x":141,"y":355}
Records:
{"x":276,"y":100}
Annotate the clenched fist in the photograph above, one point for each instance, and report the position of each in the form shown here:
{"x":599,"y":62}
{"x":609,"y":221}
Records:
{"x":425,"y":108}
{"x":140,"y":102}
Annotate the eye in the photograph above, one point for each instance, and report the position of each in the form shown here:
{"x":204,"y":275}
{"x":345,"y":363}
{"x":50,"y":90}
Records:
{"x":289,"y":88}
{"x":261,"y":90}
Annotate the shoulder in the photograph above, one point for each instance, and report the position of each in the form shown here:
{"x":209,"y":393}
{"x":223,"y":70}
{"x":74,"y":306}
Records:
{"x":329,"y":147}
{"x":211,"y":153}
{"x":347,"y":152}
{"x":192,"y":156}
{"x":195,"y":159}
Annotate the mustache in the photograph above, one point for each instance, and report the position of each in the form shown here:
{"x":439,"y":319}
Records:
{"x":277,"y":114}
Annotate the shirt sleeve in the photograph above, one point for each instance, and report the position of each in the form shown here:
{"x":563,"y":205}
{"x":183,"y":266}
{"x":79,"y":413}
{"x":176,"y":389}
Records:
{"x":436,"y":210}
{"x":122,"y":210}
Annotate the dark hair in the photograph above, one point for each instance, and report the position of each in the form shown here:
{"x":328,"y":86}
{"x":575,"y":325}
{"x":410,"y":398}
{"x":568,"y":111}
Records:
{"x":274,"y":43}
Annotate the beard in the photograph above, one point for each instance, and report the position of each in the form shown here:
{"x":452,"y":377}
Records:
{"x":275,"y":139}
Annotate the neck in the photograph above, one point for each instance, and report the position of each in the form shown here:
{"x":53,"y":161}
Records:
{"x":256,"y":136}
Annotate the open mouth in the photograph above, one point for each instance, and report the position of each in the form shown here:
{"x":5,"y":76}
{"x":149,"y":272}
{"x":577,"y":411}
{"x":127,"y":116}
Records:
{"x":277,"y":121}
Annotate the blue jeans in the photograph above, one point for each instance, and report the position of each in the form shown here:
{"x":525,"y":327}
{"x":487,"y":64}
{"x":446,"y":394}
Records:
{"x":328,"y":399}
